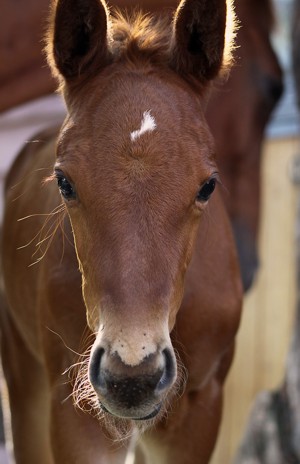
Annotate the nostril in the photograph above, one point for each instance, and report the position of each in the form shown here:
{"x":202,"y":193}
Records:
{"x":169,"y":371}
{"x":95,"y":369}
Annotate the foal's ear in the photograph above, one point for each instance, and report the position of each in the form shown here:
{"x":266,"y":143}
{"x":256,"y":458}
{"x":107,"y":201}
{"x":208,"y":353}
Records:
{"x":78,"y":37}
{"x":199,"y":38}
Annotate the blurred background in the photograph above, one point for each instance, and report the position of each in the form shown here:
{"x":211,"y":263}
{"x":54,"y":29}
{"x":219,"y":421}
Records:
{"x":270,"y":307}
{"x":255,"y":120}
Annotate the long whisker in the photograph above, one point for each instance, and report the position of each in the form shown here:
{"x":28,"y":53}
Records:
{"x":57,"y":210}
{"x":67,"y":398}
{"x":66,"y":346}
{"x":26,"y":178}
{"x":40,"y":215}
{"x":64,"y":234}
{"x":50,"y":234}
{"x":73,"y":366}
{"x":51,"y":238}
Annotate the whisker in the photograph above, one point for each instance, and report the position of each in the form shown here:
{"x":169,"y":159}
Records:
{"x":38,"y":244}
{"x":29,"y":243}
{"x":61,"y":225}
{"x":87,"y":336}
{"x":51,"y":238}
{"x":66,"y":346}
{"x":50,"y":168}
{"x":58,"y":209}
{"x":53,"y":213}
{"x":68,"y":369}
{"x":67,"y":398}
{"x":30,"y":174}
{"x":57,"y":214}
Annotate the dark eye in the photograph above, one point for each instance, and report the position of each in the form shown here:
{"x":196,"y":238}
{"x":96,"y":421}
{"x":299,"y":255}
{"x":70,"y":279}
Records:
{"x":66,"y":188}
{"x":206,"y":190}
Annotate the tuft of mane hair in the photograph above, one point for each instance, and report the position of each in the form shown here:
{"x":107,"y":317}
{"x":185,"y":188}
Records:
{"x":140,"y":35}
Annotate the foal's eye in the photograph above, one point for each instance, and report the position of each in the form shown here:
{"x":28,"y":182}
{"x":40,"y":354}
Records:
{"x":66,"y":188}
{"x":206,"y":190}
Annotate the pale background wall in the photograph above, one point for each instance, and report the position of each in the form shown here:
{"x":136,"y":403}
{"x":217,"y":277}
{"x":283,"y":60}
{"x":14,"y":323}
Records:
{"x":269,"y":308}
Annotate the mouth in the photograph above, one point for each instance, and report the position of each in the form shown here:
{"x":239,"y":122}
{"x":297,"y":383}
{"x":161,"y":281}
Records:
{"x":143,"y":418}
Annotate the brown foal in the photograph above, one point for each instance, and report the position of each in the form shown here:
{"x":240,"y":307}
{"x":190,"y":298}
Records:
{"x":124,"y":249}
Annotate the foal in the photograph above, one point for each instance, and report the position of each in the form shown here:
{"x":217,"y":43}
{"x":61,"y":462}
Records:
{"x":142,"y":267}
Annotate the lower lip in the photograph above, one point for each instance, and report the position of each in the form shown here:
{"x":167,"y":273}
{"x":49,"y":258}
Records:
{"x":150,"y":416}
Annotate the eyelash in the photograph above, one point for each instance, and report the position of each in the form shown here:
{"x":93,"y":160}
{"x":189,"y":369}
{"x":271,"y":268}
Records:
{"x":66,"y":188}
{"x":206,"y":190}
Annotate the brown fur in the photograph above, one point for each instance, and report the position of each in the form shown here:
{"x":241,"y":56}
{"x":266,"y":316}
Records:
{"x":140,"y":268}
{"x":259,"y":11}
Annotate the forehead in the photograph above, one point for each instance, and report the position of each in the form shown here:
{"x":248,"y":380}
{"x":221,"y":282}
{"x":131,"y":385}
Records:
{"x":132,"y":115}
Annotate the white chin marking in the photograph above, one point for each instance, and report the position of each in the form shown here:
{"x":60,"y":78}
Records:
{"x":148,"y":124}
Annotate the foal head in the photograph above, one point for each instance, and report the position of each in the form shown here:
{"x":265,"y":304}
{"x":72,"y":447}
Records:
{"x":136,"y":168}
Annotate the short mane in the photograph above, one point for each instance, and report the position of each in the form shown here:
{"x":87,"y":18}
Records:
{"x":140,"y":35}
